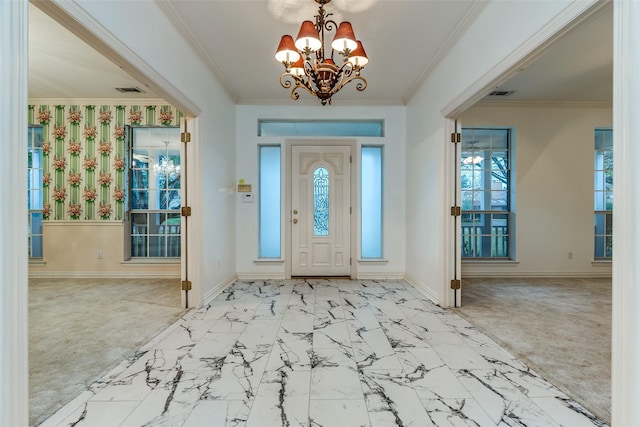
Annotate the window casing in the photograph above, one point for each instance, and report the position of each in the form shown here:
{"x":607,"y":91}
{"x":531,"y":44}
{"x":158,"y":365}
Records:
{"x":603,"y":194}
{"x":35,"y":191}
{"x":154,"y":191}
{"x":486,"y":193}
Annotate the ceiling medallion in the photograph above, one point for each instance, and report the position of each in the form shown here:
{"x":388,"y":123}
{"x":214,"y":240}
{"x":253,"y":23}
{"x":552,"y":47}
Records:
{"x":307,"y":67}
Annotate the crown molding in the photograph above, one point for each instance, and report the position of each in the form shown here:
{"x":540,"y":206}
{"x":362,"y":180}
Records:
{"x":541,"y":103}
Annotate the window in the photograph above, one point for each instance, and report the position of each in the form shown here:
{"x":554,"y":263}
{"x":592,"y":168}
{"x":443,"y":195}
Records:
{"x":486,"y":193}
{"x":603,"y":194}
{"x":354,"y":128}
{"x":371,"y":200}
{"x":269,"y":188}
{"x":35,"y":190}
{"x":154,"y":191}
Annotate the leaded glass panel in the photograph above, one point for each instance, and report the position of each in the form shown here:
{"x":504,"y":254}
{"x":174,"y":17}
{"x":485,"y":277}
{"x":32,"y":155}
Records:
{"x":321,"y":202}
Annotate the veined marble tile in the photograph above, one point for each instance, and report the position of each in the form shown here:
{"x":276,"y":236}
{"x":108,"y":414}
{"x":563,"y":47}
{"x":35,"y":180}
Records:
{"x":139,"y":379}
{"x":297,"y":320}
{"x":100,"y":414}
{"x":240,"y":374}
{"x":372,"y":350}
{"x":331,"y":335}
{"x":456,"y":413}
{"x":343,"y":413}
{"x":503,"y":400}
{"x":568,"y":412}
{"x":171,"y":402}
{"x":282,"y":400}
{"x":333,"y":358}
{"x":272,"y":308}
{"x":210,"y":353}
{"x":328,"y":311}
{"x":291,"y":351}
{"x":455,"y":352}
{"x":335,"y":383}
{"x":259,"y":334}
{"x":391,"y":400}
{"x":430,"y":377}
{"x":218,"y":413}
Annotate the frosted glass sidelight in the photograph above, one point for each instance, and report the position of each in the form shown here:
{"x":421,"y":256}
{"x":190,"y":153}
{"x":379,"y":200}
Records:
{"x":371,"y":202}
{"x":321,"y":202}
{"x":269,"y":188}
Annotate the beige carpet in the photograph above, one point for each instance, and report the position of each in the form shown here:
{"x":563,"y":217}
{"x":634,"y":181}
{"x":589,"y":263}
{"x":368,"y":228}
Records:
{"x":560,"y":327}
{"x":81,"y":329}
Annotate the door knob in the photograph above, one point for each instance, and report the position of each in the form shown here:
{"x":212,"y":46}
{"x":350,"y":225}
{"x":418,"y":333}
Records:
{"x":295,"y":220}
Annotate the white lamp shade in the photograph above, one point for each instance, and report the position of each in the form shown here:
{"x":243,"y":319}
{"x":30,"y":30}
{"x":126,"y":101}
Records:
{"x":344,"y":39}
{"x":287,"y":52}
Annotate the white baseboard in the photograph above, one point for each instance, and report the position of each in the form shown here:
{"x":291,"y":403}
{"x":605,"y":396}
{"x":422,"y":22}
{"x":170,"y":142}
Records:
{"x":422,"y":288}
{"x":212,"y":293}
{"x":261,"y":276}
{"x":381,"y":276}
{"x":537,"y":275}
{"x":105,"y":274}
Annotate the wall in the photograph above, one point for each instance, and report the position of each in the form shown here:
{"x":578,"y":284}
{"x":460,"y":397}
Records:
{"x":83,"y":181}
{"x":169,"y":66}
{"x":554,"y":186}
{"x":478,"y":60}
{"x":394,"y":185}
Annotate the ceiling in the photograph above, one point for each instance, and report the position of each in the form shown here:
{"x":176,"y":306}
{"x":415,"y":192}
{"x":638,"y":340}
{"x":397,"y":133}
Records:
{"x":577,"y":67}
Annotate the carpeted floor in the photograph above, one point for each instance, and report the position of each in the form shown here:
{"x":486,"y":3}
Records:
{"x":79,"y":329}
{"x":560,"y":327}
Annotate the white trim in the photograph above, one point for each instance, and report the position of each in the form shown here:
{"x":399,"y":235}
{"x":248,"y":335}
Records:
{"x":268,"y":261}
{"x":14,"y":333}
{"x":105,"y":274}
{"x":536,"y":274}
{"x":422,"y":288}
{"x":261,"y":276}
{"x":217,"y":290}
{"x":387,"y":275}
{"x":625,"y":354}
{"x":102,"y":101}
{"x":476,"y":8}
{"x":71,"y":15}
{"x":525,"y":54}
{"x":515,"y":103}
{"x":373,"y":261}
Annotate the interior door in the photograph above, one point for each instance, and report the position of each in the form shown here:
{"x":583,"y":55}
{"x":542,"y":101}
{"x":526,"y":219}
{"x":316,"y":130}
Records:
{"x":320,"y":211}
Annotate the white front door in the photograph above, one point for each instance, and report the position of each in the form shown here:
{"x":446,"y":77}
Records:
{"x":320,"y":211}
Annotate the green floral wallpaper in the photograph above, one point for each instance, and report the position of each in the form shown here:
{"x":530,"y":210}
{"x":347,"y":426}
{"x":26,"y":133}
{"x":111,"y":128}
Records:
{"x":83,"y":156}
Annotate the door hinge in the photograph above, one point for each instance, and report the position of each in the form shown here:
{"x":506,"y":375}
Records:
{"x":186,"y":285}
{"x":186,"y":211}
{"x":350,"y":261}
{"x":350,"y":210}
{"x":455,"y":211}
{"x":456,"y":137}
{"x":350,"y":159}
{"x":456,"y":284}
{"x":185,"y":137}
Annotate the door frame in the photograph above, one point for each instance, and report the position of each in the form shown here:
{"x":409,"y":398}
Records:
{"x":355,"y":205}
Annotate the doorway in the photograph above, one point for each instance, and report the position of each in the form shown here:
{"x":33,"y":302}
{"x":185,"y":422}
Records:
{"x":320,"y":210}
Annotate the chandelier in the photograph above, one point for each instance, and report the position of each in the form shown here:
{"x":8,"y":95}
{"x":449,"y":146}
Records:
{"x":307,"y":67}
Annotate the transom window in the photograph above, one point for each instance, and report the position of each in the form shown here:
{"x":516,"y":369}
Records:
{"x":154,"y":192}
{"x":603,"y":194}
{"x":485,"y":193}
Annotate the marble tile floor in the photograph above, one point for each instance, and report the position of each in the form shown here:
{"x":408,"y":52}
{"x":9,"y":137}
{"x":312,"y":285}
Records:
{"x":332,"y":353}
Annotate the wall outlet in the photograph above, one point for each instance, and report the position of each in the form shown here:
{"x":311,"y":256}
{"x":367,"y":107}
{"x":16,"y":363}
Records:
{"x":99,"y":255}
{"x":570,"y":255}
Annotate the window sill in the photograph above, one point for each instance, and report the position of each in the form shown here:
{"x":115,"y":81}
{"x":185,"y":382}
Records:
{"x":269,"y":261}
{"x":37,"y":261}
{"x":373,"y":261}
{"x":601,"y":263}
